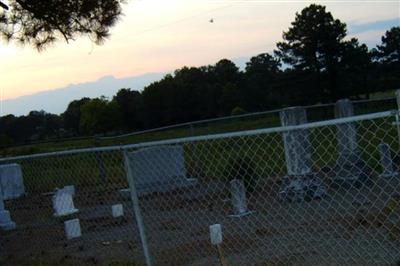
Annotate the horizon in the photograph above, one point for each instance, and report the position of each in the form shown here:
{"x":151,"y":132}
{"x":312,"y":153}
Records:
{"x":168,"y":36}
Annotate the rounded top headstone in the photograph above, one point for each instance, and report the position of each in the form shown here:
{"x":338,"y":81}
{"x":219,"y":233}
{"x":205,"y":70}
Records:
{"x":344,"y":108}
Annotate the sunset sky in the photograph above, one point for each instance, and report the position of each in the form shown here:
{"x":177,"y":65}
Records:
{"x":159,"y":35}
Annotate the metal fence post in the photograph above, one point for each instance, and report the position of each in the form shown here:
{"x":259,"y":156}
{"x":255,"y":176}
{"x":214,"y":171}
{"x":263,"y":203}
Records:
{"x":1,"y":198}
{"x":99,"y":161}
{"x":398,"y":111}
{"x":136,"y":209}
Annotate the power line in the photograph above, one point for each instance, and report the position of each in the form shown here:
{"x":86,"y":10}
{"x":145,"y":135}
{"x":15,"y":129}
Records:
{"x":182,"y":20}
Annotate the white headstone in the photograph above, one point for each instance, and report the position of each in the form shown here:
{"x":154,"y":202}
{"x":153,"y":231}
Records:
{"x":300,"y":183}
{"x":238,"y":198}
{"x":117,"y":210}
{"x":11,"y":181}
{"x":215,"y":234}
{"x":69,"y":189}
{"x":72,"y":229}
{"x":296,"y":142}
{"x":5,"y":220}
{"x":63,"y":204}
{"x":386,"y":160}
{"x":159,"y":169}
{"x":349,"y":165}
{"x":1,"y":200}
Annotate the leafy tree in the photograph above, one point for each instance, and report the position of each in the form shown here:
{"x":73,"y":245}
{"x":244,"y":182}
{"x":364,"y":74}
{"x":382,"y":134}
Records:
{"x":130,"y":104}
{"x":261,"y":72}
{"x":224,"y":71}
{"x":7,"y":128}
{"x":265,"y":64}
{"x":100,"y":116}
{"x":387,"y":61}
{"x":314,"y":43}
{"x":72,"y":115}
{"x":230,"y":98}
{"x":36,"y":125}
{"x":42,"y":22}
{"x":5,"y":140}
{"x":354,"y":69}
{"x":389,"y":50}
{"x":156,"y":101}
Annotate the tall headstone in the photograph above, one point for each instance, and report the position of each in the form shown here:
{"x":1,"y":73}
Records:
{"x":296,"y":143}
{"x":11,"y":181}
{"x":5,"y":220}
{"x":300,"y":183}
{"x":398,"y":99}
{"x":238,"y":198}
{"x":386,"y":160}
{"x":350,"y":168}
{"x":159,"y":169}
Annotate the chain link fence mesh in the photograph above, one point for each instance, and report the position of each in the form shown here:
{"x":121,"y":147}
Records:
{"x":323,"y":193}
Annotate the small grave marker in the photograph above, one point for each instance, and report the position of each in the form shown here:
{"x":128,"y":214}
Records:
{"x":238,"y":198}
{"x":216,"y":240}
{"x":72,"y":229}
{"x":117,"y":210}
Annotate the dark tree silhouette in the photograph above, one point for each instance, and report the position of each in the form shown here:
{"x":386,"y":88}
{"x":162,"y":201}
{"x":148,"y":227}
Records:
{"x":314,"y":41}
{"x":328,"y":66}
{"x":100,"y":116}
{"x":72,"y":115}
{"x":387,"y":61}
{"x":354,"y":70}
{"x":130,"y":104}
{"x":389,"y":50}
{"x":260,"y":75}
{"x":42,"y":22}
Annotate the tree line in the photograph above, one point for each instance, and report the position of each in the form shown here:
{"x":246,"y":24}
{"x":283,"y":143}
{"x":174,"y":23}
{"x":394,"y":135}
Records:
{"x":314,"y":63}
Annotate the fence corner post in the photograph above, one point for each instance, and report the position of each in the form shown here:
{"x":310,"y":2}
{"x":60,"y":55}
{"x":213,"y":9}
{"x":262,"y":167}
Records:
{"x":136,"y":208}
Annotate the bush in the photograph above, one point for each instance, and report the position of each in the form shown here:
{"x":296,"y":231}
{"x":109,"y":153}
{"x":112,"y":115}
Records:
{"x":238,"y":111}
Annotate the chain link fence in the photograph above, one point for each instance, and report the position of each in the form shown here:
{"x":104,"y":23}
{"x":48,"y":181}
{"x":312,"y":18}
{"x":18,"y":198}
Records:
{"x":305,"y":192}
{"x":247,"y":121}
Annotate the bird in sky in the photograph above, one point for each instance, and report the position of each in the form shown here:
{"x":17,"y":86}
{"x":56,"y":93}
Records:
{"x":212,"y":20}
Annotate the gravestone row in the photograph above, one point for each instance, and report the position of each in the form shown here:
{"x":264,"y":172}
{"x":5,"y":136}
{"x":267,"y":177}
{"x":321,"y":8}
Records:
{"x":349,"y":170}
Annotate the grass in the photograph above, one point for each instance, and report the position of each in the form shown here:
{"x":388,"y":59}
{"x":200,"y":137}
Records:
{"x":210,"y":128}
{"x":211,"y":158}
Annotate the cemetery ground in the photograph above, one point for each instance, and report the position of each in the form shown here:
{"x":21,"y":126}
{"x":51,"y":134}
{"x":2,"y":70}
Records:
{"x":347,"y":222}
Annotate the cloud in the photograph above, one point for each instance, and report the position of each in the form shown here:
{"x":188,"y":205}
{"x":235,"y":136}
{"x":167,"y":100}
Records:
{"x":370,"y":33}
{"x":386,"y":24}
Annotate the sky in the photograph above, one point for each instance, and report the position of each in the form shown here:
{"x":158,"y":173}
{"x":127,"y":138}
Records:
{"x":160,"y":36}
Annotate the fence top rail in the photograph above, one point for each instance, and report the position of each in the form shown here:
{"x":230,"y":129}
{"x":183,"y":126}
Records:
{"x":211,"y":136}
{"x":204,"y":121}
